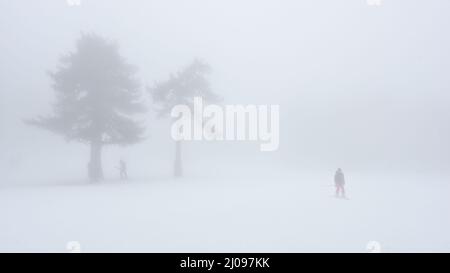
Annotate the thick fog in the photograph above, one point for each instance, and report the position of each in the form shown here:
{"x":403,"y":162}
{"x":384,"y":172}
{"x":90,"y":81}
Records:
{"x":360,"y":87}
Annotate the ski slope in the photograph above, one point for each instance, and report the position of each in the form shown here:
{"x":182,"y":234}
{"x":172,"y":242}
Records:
{"x":294,"y":214}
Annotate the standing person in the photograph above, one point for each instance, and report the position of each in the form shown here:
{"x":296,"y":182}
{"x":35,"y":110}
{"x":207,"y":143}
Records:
{"x":123,"y":170}
{"x":339,"y":182}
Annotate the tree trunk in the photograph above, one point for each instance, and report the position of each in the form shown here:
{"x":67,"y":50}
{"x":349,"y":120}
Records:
{"x":178,"y":169}
{"x":95,"y":164}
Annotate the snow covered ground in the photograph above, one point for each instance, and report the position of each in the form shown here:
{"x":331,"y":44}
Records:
{"x":295,"y":214}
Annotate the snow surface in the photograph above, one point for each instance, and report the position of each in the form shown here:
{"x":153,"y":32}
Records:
{"x":294,"y":214}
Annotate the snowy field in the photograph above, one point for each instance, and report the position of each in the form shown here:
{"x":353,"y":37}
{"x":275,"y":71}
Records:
{"x":294,"y":214}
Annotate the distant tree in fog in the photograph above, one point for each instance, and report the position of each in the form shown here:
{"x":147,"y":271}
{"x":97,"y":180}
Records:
{"x":181,"y":88}
{"x":96,"y":96}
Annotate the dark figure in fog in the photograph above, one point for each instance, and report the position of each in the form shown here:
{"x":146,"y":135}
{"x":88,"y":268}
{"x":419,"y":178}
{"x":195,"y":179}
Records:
{"x":123,"y":170}
{"x":339,"y":182}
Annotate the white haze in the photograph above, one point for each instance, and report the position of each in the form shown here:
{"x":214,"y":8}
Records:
{"x":360,"y":87}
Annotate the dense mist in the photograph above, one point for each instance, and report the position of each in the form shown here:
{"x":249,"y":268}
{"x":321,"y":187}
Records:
{"x":359,"y":87}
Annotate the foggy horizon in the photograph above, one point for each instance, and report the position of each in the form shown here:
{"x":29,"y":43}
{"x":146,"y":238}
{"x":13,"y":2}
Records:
{"x":359,"y":87}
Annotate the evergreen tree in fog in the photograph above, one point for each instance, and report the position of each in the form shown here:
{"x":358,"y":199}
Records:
{"x":96,"y":96}
{"x":182,"y":88}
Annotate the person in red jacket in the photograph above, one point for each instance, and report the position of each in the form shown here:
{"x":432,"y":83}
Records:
{"x":339,"y":182}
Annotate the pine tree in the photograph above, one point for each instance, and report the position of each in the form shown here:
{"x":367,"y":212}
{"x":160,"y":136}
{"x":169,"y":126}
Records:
{"x":182,"y":88}
{"x":97,"y":95}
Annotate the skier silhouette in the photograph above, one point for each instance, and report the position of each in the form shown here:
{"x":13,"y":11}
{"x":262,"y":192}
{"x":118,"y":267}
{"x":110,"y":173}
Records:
{"x":123,"y":170}
{"x":339,"y":182}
